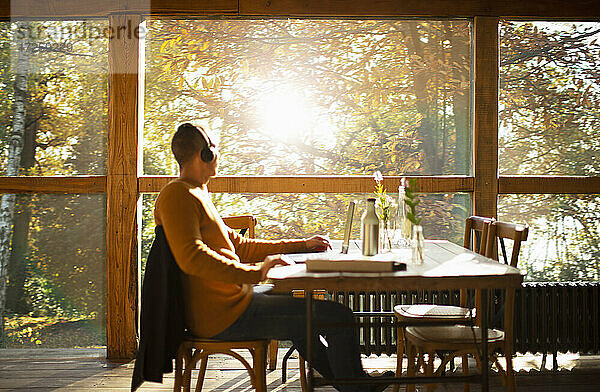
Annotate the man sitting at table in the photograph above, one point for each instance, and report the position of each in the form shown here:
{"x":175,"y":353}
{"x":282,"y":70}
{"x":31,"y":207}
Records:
{"x":217,"y":280}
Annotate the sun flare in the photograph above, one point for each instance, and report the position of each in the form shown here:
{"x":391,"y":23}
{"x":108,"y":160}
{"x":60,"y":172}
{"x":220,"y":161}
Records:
{"x":285,"y":115}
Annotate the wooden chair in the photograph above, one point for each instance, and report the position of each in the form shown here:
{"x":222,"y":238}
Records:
{"x":194,"y":349}
{"x":461,"y":340}
{"x":243,"y":223}
{"x":475,"y":238}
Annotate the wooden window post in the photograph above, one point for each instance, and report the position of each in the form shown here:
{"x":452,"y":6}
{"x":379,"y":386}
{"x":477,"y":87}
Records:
{"x":485,"y":116}
{"x":122,"y":194}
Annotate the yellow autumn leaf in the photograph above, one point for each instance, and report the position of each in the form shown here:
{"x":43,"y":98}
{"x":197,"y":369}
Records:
{"x":163,"y":46}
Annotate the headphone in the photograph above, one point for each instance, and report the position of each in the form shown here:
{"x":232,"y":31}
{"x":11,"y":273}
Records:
{"x":207,"y":154}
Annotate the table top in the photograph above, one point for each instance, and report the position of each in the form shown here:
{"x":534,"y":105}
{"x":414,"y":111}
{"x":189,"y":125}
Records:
{"x":446,"y":266}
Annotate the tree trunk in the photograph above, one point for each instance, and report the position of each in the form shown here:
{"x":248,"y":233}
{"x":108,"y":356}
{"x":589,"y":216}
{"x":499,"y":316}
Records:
{"x":18,"y":261}
{"x":426,"y":131}
{"x":460,"y":104}
{"x":15,"y":147}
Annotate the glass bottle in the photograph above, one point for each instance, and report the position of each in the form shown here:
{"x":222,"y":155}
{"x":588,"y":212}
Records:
{"x":370,"y":229}
{"x":403,"y":224}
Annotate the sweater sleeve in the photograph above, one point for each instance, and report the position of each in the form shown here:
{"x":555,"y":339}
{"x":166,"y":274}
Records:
{"x":252,"y":250}
{"x":184,"y":219}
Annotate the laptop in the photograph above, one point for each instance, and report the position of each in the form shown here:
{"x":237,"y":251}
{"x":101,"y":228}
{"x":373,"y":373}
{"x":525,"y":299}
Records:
{"x":334,"y":260}
{"x":301,"y":257}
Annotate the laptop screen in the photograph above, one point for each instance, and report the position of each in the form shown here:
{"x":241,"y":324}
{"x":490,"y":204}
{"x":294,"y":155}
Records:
{"x":348,"y":226}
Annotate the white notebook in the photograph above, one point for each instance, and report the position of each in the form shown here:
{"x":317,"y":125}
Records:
{"x":327,"y":262}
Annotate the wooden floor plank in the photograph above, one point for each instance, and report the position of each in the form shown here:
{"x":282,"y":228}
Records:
{"x":79,"y":371}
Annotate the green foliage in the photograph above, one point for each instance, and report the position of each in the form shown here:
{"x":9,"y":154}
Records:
{"x":411,"y":200}
{"x":57,"y":265}
{"x":374,"y":98}
{"x":549,"y":117}
{"x":53,"y":331}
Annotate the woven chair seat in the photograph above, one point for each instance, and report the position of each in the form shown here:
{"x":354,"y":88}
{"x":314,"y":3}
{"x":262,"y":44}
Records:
{"x":426,"y":312}
{"x":455,"y":334}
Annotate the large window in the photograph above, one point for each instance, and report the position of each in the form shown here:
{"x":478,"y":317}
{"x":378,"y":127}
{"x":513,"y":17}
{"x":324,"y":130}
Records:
{"x":54,"y":88}
{"x":549,"y":98}
{"x":563,"y":235}
{"x":55,"y":294}
{"x":549,"y":121}
{"x":288,"y":215}
{"x":304,"y":97}
{"x":315,"y":97}
{"x":54,"y":106}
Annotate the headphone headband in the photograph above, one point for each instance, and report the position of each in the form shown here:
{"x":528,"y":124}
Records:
{"x":207,"y":153}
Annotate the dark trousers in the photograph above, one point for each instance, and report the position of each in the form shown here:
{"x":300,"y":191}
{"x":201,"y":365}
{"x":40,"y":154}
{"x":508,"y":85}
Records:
{"x":281,"y":317}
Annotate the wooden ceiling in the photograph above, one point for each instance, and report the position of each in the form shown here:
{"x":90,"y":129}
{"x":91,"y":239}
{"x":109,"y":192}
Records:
{"x":537,"y":9}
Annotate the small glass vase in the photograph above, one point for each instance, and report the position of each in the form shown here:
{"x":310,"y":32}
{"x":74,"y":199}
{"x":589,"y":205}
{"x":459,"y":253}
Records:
{"x":403,"y":225}
{"x":418,"y":245}
{"x":386,"y":235}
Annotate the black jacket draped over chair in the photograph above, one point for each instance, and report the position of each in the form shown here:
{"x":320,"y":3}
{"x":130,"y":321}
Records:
{"x":161,"y":321}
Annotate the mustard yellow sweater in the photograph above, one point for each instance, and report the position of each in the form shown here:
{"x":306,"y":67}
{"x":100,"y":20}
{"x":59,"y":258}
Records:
{"x":217,"y":281}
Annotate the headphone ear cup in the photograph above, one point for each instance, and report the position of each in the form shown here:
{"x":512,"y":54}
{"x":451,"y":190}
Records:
{"x":207,"y":154}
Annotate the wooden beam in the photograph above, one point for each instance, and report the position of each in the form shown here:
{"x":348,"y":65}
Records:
{"x":29,"y":184}
{"x":548,"y":184}
{"x":104,"y":8}
{"x":485,"y":116}
{"x":121,"y":233}
{"x":314,"y":184}
{"x":432,"y":8}
{"x":71,"y":8}
{"x":191,"y":7}
{"x":576,"y":9}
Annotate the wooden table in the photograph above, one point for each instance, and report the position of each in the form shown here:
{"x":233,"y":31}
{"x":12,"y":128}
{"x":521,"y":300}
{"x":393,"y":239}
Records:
{"x":446,"y":266}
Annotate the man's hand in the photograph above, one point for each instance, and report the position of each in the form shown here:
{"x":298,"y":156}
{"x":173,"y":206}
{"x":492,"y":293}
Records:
{"x":271,"y":261}
{"x":317,"y":243}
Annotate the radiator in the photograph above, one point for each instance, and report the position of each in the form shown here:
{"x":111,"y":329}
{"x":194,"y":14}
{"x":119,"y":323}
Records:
{"x":549,"y":317}
{"x":557,"y":317}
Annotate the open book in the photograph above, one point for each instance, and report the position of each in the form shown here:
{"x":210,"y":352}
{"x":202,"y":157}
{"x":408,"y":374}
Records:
{"x":328,"y":262}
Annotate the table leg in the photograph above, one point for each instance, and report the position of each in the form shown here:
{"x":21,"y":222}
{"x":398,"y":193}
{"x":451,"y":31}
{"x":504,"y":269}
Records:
{"x":484,"y":341}
{"x":309,"y":339}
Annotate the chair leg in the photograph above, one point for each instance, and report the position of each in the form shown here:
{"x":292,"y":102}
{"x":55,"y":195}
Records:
{"x":410,"y":367}
{"x":510,"y":375}
{"x":178,"y":371}
{"x":302,"y":368}
{"x":465,"y":371}
{"x":273,"y":347}
{"x":421,"y":361}
{"x":259,"y":366}
{"x":188,"y":365}
{"x":429,"y":366}
{"x":399,"y":355}
{"x":201,"y":373}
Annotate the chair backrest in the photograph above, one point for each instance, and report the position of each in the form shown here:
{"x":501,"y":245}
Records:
{"x":243,"y":223}
{"x":497,"y":233}
{"x":476,"y":232}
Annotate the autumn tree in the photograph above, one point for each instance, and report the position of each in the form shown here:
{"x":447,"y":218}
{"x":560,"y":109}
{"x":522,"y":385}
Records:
{"x":313,"y":97}
{"x":550,"y":100}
